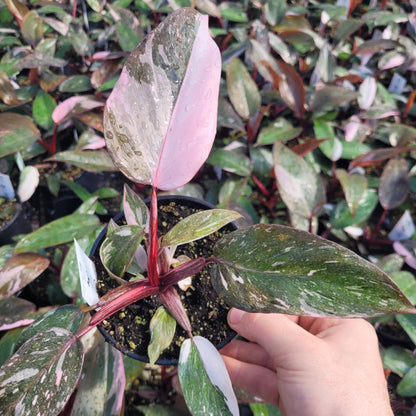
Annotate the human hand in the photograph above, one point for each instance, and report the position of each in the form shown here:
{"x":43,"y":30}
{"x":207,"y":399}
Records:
{"x":308,"y":366}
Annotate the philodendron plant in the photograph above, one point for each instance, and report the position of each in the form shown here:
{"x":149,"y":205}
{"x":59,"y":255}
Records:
{"x":160,"y":123}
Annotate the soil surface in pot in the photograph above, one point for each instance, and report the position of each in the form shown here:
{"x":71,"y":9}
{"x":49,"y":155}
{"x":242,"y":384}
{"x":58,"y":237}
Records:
{"x":206,"y":311}
{"x":8,"y":208}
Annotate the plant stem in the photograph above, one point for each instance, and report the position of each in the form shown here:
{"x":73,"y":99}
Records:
{"x":152,"y":255}
{"x":378,"y":226}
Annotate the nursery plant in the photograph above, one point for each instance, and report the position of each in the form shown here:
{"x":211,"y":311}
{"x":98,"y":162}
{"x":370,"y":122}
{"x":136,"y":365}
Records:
{"x":159,"y":124}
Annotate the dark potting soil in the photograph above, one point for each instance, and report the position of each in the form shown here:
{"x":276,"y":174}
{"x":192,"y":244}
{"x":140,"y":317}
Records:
{"x":8,"y":208}
{"x":206,"y":311}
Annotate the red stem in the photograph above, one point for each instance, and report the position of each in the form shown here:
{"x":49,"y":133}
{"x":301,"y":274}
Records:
{"x":152,"y":255}
{"x":261,"y":186}
{"x":380,"y":222}
{"x":53,"y":142}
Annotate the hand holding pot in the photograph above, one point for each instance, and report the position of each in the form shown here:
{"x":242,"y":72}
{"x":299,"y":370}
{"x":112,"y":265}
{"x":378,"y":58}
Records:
{"x":308,"y":366}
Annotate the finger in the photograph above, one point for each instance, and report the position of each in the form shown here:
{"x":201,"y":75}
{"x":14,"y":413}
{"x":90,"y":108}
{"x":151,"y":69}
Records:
{"x":246,"y":376}
{"x":248,"y":352}
{"x":278,"y":334}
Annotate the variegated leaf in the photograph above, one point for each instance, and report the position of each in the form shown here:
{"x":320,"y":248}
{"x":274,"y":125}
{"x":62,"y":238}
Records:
{"x":272,"y":268}
{"x":198,"y":225}
{"x":41,"y":376}
{"x":204,"y":380}
{"x":174,"y":74}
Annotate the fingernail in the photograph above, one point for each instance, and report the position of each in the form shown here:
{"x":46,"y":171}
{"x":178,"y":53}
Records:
{"x":235,"y":316}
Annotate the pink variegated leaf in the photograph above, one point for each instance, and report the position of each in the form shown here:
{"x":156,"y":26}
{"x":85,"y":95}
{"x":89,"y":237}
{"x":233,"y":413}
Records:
{"x":160,"y":120}
{"x":20,"y":270}
{"x":367,"y":93}
{"x":172,"y":301}
{"x":74,"y":106}
{"x":135,"y":210}
{"x":407,"y":253}
{"x":106,"y":55}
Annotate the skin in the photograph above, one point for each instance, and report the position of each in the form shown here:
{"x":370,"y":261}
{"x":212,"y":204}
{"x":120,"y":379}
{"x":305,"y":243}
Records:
{"x":308,"y":366}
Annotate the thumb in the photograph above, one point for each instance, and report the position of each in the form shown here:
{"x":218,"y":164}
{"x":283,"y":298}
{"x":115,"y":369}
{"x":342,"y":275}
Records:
{"x":278,"y":334}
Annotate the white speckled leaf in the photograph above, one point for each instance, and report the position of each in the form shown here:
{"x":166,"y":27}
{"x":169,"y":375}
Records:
{"x":41,"y":376}
{"x":299,"y":185}
{"x":101,"y":390}
{"x":160,"y":120}
{"x":272,"y":268}
{"x":69,"y":317}
{"x":118,"y":249}
{"x":198,"y":225}
{"x":162,"y":330}
{"x":354,"y":186}
{"x":135,"y":210}
{"x":204,"y":380}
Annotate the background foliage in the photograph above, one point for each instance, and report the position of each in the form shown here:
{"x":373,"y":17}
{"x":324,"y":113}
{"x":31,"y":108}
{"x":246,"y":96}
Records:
{"x":316,"y":129}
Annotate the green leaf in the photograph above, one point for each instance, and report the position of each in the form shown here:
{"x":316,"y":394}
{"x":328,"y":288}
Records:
{"x":233,"y":12}
{"x":117,"y":250}
{"x":81,"y":42}
{"x":84,"y":195}
{"x":407,"y":386}
{"x":242,"y":90}
{"x":17,"y":133}
{"x":401,"y":134}
{"x":15,"y":312}
{"x":89,"y":160}
{"x":8,"y":344}
{"x":272,"y":268}
{"x":346,"y":28}
{"x":398,"y":360}
{"x":198,"y":225}
{"x":281,"y":129}
{"x":162,"y":329}
{"x":394,"y":184}
{"x":204,"y":380}
{"x":231,"y":160}
{"x":274,"y":11}
{"x":136,"y":211}
{"x":19,"y":271}
{"x":351,"y":150}
{"x":341,"y":216}
{"x":408,"y":323}
{"x":406,"y":282}
{"x":354,"y":187}
{"x":42,"y":109}
{"x":127,"y":36}
{"x":158,"y":410}
{"x":101,"y":390}
{"x":76,"y":83}
{"x":332,"y":95}
{"x":299,"y":185}
{"x":32,"y":29}
{"x":41,"y":376}
{"x":60,"y":231}
{"x":262,"y":409}
{"x":68,"y":317}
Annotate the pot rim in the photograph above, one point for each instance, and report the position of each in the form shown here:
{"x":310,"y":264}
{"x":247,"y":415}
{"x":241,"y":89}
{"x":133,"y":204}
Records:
{"x":94,"y":248}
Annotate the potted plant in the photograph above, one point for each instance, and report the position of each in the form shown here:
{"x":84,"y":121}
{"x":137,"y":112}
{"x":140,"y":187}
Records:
{"x":159,"y":125}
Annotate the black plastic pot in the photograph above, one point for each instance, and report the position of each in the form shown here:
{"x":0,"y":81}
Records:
{"x":19,"y":224}
{"x":389,"y":338}
{"x":191,"y":202}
